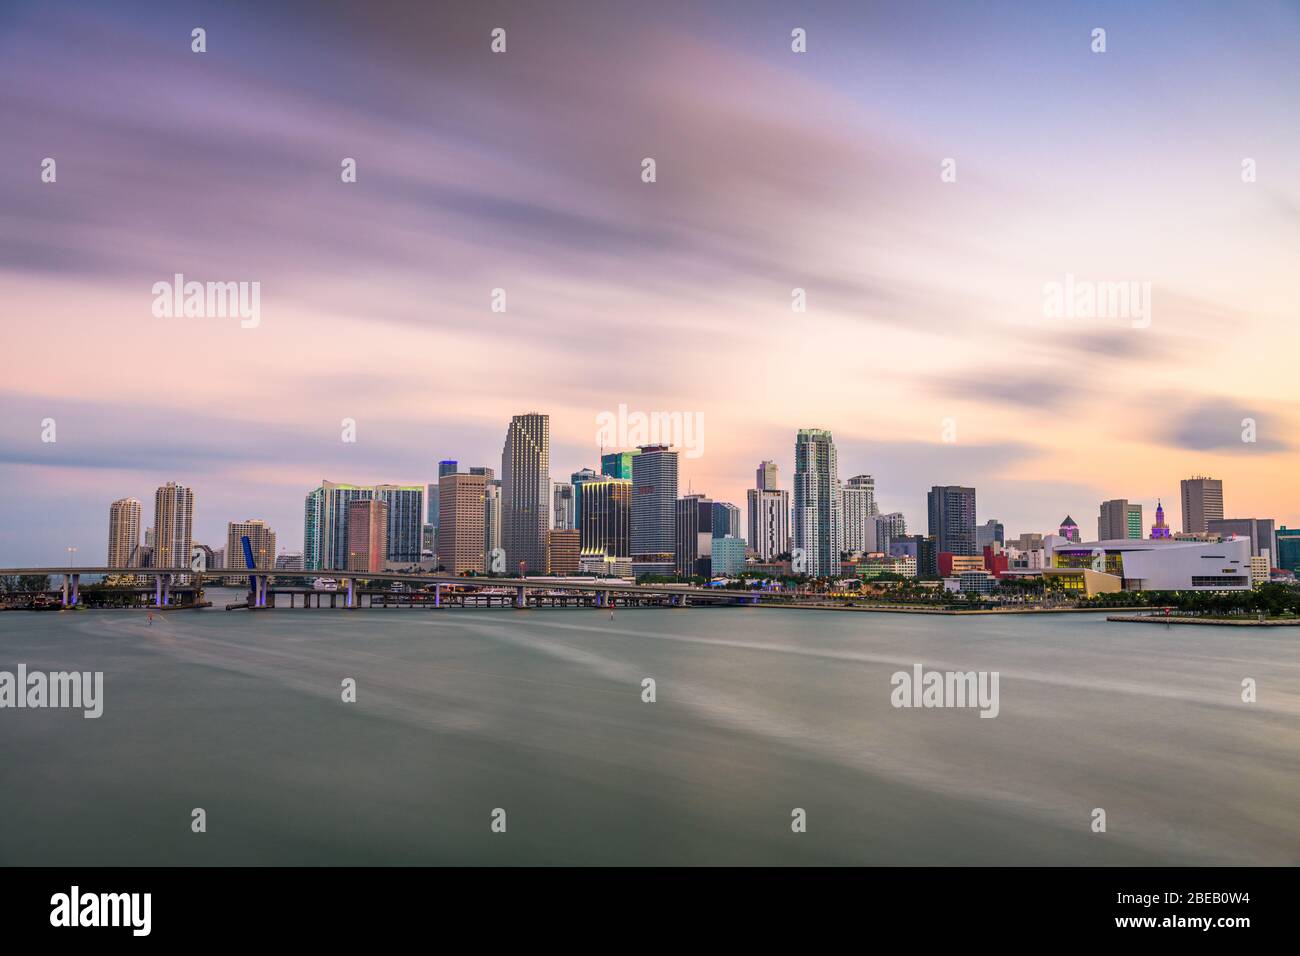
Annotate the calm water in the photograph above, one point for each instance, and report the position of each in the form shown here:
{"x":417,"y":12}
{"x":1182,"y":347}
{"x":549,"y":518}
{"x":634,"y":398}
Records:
{"x":540,"y":713}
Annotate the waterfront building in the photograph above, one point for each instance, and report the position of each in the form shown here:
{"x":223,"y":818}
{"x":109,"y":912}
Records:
{"x":1288,"y":549}
{"x":951,"y":511}
{"x":818,"y":523}
{"x":606,"y":520}
{"x":367,"y":534}
{"x":858,"y":507}
{"x":694,"y":536}
{"x":123,"y":533}
{"x":565,"y":550}
{"x":951,"y":565}
{"x":1161,"y":564}
{"x":769,"y":514}
{"x":462,"y":535}
{"x":525,"y":497}
{"x":325,"y":523}
{"x":728,"y":558}
{"x":260,"y":538}
{"x":654,"y":510}
{"x":173,"y":523}
{"x":1202,"y":503}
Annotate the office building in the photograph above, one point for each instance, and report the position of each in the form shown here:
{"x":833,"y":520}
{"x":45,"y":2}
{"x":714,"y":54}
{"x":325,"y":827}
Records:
{"x":726,"y":520}
{"x":728,"y":558}
{"x":1070,"y":531}
{"x":1202,"y":503}
{"x":606,"y":521}
{"x":578,"y":479}
{"x":325,"y":523}
{"x":123,"y":533}
{"x":818,"y":524}
{"x":289,"y":562}
{"x":563,"y":506}
{"x":1288,"y":549}
{"x":617,"y":464}
{"x":952,"y":519}
{"x":492,"y":521}
{"x":888,"y":528}
{"x":767,"y":476}
{"x":525,"y":493}
{"x":1258,"y":531}
{"x":367,"y":534}
{"x":989,"y":533}
{"x":173,"y":521}
{"x":462,"y":514}
{"x":769,"y":517}
{"x":654,"y":510}
{"x":260,"y":538}
{"x":565,"y":550}
{"x":694,"y":536}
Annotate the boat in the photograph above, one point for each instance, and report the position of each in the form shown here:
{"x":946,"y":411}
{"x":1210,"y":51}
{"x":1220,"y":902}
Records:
{"x":325,"y":584}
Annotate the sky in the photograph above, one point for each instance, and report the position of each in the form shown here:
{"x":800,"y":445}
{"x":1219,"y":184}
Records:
{"x":927,"y":347}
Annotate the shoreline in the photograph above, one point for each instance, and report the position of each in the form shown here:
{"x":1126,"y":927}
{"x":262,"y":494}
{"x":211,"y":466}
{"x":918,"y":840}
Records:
{"x":1209,"y":621}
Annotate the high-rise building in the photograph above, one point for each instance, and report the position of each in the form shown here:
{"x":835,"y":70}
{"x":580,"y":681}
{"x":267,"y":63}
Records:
{"x":1258,"y":530}
{"x":818,"y":524}
{"x":260,"y":538}
{"x":990,"y":533}
{"x":562,"y":506}
{"x":918,"y":548}
{"x":123,"y":532}
{"x":726,"y":519}
{"x":173,"y":521}
{"x":492,"y":518}
{"x":694,"y":537}
{"x":1119,"y":519}
{"x":767,"y":477}
{"x":367,"y":534}
{"x":654,"y":504}
{"x":288,"y":562}
{"x":888,"y":529}
{"x":565,"y":550}
{"x":1288,"y":549}
{"x":1160,"y":530}
{"x":578,"y":479}
{"x":448,"y":466}
{"x":462,"y":513}
{"x":606,"y":519}
{"x":859,"y":508}
{"x":728,"y":556}
{"x":325,"y":523}
{"x":952,"y":519}
{"x":617,"y":464}
{"x":525,"y":493}
{"x":1202,"y":503}
{"x":769,"y":522}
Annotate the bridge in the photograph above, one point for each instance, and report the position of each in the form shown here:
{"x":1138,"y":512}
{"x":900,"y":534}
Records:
{"x":602,"y":593}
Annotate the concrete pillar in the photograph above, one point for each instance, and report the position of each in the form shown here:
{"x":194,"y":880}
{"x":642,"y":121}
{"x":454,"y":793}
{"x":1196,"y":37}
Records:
{"x":351,"y":592}
{"x":437,"y":595}
{"x":521,"y":597}
{"x":167,"y":590}
{"x":157,"y":590}
{"x":76,"y":582}
{"x":63,"y":598}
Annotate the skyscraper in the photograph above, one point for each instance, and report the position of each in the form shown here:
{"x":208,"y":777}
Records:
{"x":769,"y":514}
{"x":726,"y":520}
{"x":1259,"y":531}
{"x":990,"y":533}
{"x":525,"y":492}
{"x":818,"y":524}
{"x":562,"y":506}
{"x":173,"y":510}
{"x":1202,"y":503}
{"x":654,"y":503}
{"x":694,"y":536}
{"x":859,"y":498}
{"x":325,"y":523}
{"x":462,"y":535}
{"x":367,"y":534}
{"x":617,"y":464}
{"x":606,"y":519}
{"x":1119,"y":519}
{"x":766,"y":478}
{"x":578,"y":479}
{"x":565,"y":550}
{"x":952,"y":519}
{"x":889,"y":528}
{"x":123,"y":532}
{"x":260,"y":538}
{"x":491,"y":519}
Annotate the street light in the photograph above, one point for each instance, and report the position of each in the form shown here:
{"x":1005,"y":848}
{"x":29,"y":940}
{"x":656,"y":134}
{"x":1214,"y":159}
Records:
{"x":71,"y":554}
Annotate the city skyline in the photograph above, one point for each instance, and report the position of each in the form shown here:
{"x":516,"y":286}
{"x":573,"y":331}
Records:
{"x":776,"y":172}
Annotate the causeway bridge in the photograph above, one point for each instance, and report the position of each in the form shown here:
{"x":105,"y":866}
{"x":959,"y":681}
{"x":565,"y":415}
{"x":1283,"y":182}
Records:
{"x":432,"y":589}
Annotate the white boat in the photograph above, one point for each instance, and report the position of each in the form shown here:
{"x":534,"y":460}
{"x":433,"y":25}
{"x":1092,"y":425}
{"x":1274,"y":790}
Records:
{"x":325,"y":584}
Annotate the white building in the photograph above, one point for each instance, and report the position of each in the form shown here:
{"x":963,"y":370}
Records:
{"x":1161,"y":564}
